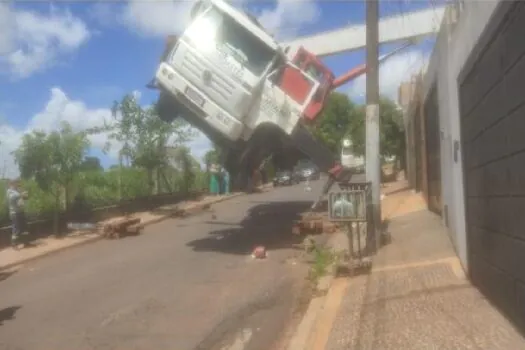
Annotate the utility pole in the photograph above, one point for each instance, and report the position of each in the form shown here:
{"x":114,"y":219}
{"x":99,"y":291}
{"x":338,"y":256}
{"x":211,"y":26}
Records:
{"x":373,"y":159}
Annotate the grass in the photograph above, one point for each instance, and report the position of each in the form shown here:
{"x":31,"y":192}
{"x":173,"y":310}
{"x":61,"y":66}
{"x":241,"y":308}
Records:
{"x":323,"y":258}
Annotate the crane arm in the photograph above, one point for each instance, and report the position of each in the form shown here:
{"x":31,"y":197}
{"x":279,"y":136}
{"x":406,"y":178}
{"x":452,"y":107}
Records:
{"x":361,"y":69}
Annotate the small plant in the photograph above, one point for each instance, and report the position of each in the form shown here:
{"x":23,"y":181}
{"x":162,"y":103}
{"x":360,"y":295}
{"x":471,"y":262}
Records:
{"x":323,"y":258}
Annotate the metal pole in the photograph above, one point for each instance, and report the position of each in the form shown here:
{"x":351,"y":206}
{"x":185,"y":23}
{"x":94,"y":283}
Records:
{"x":350,"y":235}
{"x":373,"y":161}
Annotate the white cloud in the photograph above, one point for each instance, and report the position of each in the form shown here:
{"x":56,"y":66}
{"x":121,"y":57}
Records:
{"x":62,"y":108}
{"x":32,"y":41}
{"x":289,"y":16}
{"x":10,"y":139}
{"x":6,"y":28}
{"x":392,"y":73}
{"x":160,"y":18}
{"x":156,"y":18}
{"x":59,"y":108}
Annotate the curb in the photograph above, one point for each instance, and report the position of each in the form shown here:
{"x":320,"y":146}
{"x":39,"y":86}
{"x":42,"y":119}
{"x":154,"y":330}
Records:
{"x":189,"y":212}
{"x":301,"y":340}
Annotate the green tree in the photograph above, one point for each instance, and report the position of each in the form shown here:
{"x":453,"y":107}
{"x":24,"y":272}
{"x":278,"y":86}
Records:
{"x":392,"y":130}
{"x":91,"y":164}
{"x":339,"y":118}
{"x":392,"y":134}
{"x":146,"y":136}
{"x":211,"y":157}
{"x":182,"y":160}
{"x":52,"y":161}
{"x":342,"y":118}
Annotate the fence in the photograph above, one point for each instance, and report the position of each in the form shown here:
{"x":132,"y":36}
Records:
{"x":43,"y":226}
{"x":354,"y":212}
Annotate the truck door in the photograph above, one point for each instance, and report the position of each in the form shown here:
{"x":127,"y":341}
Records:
{"x":316,"y":105}
{"x":286,"y":93}
{"x":309,"y":64}
{"x":295,"y":84}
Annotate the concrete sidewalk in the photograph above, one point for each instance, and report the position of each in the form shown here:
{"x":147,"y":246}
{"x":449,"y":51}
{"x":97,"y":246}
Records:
{"x":10,"y":257}
{"x":416,"y":297}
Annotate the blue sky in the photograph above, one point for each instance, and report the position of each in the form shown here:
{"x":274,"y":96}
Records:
{"x":71,"y":60}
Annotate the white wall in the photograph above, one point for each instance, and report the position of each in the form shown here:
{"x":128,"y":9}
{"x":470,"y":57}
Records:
{"x":453,"y":46}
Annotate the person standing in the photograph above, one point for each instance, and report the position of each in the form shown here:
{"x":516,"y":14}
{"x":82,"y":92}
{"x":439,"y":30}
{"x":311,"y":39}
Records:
{"x":226,"y":181}
{"x":214,"y":179}
{"x":15,"y":201}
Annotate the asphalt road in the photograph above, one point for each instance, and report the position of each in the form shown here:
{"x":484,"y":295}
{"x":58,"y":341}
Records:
{"x":183,"y":284}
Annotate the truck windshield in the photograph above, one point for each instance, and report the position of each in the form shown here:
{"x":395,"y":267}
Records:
{"x":217,"y":30}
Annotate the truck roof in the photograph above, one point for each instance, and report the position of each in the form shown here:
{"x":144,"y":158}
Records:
{"x":249,"y":22}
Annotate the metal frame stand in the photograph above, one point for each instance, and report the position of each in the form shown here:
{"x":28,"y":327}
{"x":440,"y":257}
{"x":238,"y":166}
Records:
{"x":359,"y":194}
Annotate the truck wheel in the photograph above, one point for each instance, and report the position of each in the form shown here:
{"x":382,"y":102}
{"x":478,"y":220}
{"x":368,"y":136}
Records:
{"x":242,"y":182}
{"x":240,"y":177}
{"x":167,"y":108}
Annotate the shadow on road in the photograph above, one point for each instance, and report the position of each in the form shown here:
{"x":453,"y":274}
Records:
{"x":267,"y":224}
{"x":6,"y":274}
{"x":8,"y":313}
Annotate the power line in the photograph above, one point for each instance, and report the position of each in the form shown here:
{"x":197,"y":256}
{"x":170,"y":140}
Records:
{"x":184,"y":1}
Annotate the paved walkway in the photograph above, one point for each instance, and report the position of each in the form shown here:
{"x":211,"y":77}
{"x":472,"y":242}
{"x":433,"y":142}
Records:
{"x":416,"y":296}
{"x":10,"y":257}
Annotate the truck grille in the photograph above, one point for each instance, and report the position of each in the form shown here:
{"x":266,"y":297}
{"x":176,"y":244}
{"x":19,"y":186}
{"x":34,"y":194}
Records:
{"x":196,"y":66}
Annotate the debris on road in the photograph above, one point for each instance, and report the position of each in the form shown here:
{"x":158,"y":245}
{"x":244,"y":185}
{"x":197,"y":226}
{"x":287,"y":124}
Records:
{"x":309,"y":244}
{"x":81,"y":226}
{"x":314,"y":223}
{"x":259,"y":252}
{"x":127,"y":225}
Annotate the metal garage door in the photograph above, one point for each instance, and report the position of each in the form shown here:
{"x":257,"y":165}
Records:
{"x":492,"y":99}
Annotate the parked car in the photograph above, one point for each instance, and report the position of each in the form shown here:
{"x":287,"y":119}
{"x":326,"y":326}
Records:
{"x":285,"y":178}
{"x":307,"y":171}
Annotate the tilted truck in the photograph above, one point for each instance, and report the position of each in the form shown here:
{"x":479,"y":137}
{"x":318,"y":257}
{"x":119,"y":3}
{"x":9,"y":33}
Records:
{"x":232,"y":80}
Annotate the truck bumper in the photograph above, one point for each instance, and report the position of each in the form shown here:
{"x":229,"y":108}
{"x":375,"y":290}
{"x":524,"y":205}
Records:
{"x":200,"y":104}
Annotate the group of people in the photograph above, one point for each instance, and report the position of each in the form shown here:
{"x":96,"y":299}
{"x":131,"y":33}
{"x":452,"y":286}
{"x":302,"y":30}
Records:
{"x":219,"y":180}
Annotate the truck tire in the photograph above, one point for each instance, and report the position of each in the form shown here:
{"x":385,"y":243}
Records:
{"x":244,"y":160}
{"x":239,"y":175}
{"x":168,"y":108}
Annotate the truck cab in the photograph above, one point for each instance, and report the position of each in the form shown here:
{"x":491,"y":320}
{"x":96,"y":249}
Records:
{"x":311,"y":65}
{"x":216,"y":70}
{"x":229,"y":78}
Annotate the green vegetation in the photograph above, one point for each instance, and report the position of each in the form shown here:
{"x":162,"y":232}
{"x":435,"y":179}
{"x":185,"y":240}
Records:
{"x":342,"y":118}
{"x":323,"y":258}
{"x":152,"y":157}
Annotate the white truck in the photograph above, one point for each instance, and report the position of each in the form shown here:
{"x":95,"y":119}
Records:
{"x":229,"y":78}
{"x":349,"y":159}
{"x":220,"y":75}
